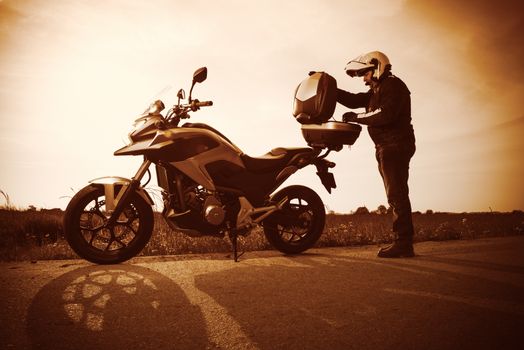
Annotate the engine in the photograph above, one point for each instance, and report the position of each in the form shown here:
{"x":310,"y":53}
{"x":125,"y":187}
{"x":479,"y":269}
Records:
{"x":202,"y":201}
{"x":213,"y":210}
{"x":197,"y":211}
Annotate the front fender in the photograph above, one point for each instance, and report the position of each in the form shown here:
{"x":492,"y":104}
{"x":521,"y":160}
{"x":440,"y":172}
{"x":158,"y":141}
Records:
{"x":112,"y":198}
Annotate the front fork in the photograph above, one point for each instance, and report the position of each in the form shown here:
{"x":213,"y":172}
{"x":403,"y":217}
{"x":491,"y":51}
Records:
{"x":128,"y":191}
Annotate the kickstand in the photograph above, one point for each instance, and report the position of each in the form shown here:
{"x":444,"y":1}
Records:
{"x":234,"y":243}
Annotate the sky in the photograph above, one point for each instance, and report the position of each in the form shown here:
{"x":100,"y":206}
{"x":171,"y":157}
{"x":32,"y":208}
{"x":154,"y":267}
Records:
{"x":75,"y":74}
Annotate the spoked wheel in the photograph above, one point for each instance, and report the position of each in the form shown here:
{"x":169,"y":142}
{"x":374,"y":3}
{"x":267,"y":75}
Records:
{"x":86,"y":231}
{"x":299,"y":224}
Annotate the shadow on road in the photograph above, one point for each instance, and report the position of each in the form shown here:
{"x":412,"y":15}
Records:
{"x":322,"y":302}
{"x":475,"y":263}
{"x":499,"y":256}
{"x":117,"y":307}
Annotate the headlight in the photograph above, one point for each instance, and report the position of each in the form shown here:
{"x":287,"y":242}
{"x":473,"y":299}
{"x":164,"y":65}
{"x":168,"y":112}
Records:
{"x":126,"y":139}
{"x":138,"y":123}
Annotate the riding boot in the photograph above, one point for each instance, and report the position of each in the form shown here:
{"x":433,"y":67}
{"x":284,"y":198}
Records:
{"x":401,"y":248}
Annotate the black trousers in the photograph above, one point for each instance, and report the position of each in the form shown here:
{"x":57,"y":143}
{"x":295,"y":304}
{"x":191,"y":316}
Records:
{"x":393,"y":164}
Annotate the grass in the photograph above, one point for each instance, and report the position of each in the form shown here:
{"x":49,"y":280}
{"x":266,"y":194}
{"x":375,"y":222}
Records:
{"x":37,"y":235}
{"x":30,"y":234}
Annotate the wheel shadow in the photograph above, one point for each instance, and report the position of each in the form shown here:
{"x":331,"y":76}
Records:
{"x":114,"y":307}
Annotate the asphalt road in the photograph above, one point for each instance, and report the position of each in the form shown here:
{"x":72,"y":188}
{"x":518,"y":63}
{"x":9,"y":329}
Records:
{"x":453,"y":295}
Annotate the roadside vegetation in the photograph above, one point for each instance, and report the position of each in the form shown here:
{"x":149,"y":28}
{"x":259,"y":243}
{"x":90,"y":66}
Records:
{"x":37,"y":234}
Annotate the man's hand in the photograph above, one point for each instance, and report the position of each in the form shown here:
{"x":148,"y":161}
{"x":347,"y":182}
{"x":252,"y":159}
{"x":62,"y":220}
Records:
{"x":350,"y":117}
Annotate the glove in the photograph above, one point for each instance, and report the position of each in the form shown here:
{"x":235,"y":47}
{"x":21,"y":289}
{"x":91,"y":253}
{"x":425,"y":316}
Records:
{"x":350,"y":117}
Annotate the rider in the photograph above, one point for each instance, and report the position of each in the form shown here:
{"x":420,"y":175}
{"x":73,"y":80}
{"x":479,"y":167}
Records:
{"x":388,"y":118}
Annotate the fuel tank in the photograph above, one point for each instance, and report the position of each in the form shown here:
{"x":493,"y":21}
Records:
{"x":189,"y":149}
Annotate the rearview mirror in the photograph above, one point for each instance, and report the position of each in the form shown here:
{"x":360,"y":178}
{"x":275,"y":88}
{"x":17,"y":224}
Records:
{"x":200,"y":75}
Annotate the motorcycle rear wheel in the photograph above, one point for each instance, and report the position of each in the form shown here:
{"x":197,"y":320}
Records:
{"x":85,"y":231}
{"x":299,"y":224}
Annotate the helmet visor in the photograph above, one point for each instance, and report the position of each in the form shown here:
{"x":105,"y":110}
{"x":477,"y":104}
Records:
{"x":357,"y":69}
{"x":358,"y":73}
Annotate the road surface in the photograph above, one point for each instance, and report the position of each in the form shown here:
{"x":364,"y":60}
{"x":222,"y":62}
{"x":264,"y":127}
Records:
{"x":453,"y":295}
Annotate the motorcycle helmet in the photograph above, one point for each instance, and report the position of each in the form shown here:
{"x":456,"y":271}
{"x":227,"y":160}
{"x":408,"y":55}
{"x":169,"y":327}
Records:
{"x":374,"y":60}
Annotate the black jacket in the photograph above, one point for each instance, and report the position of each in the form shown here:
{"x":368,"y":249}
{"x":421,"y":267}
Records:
{"x":388,"y":108}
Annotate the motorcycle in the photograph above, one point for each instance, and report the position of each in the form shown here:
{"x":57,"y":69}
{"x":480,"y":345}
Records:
{"x":209,"y":186}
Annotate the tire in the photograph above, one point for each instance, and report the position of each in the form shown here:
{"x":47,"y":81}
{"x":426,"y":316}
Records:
{"x":84,"y":230}
{"x":299,"y":224}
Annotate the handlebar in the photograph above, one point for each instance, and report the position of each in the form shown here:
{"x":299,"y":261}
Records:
{"x":196,"y":104}
{"x":203,"y":103}
{"x":180,"y":111}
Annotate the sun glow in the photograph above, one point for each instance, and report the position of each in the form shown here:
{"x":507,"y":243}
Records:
{"x":74,"y":76}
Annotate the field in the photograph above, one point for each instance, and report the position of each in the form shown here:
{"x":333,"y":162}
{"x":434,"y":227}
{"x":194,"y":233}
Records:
{"x":37,"y":234}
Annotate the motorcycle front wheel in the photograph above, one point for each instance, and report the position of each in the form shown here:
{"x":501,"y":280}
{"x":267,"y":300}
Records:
{"x":88,"y":236}
{"x":299,"y":224}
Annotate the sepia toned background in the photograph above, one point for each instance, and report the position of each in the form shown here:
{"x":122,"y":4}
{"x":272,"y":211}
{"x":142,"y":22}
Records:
{"x":75,"y":74}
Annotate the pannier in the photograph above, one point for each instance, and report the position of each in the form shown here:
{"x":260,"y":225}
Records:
{"x":315,"y":99}
{"x":314,"y":104}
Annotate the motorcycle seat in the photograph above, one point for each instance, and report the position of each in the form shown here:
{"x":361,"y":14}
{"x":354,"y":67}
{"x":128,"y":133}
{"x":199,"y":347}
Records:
{"x":275,"y":159}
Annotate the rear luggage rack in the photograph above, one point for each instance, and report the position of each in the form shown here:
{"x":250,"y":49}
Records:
{"x":332,"y":135}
